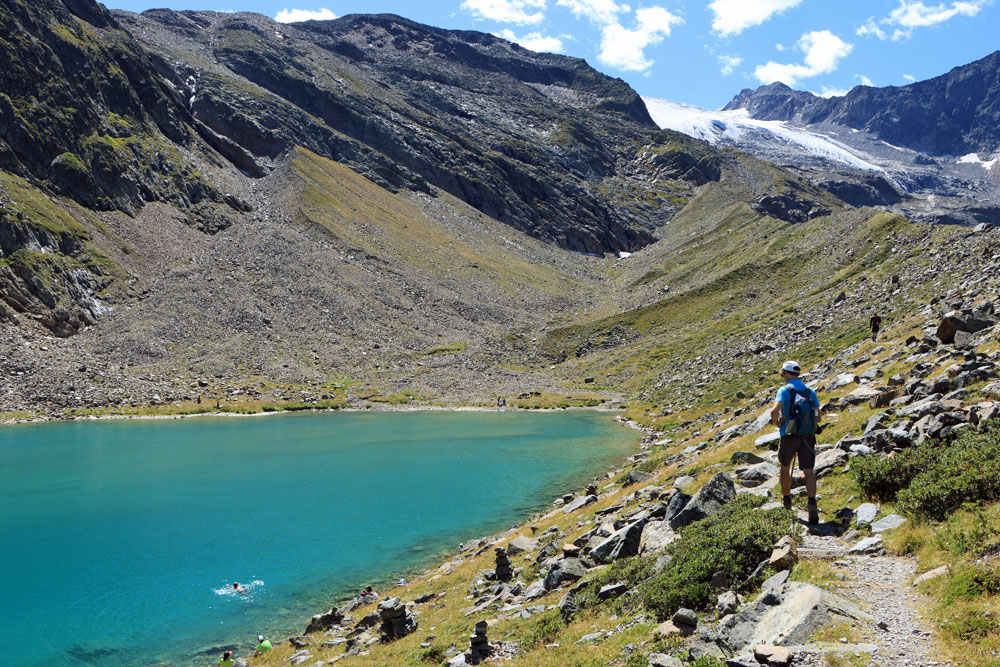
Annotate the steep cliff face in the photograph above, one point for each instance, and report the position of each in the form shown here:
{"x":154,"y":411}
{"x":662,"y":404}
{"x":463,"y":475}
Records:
{"x":952,"y":114}
{"x":541,"y":142}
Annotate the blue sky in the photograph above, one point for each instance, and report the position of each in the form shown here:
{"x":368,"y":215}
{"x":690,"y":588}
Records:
{"x":700,"y":52}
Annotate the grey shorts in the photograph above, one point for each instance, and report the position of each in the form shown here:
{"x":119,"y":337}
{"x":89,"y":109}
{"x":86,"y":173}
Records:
{"x":802,"y":445}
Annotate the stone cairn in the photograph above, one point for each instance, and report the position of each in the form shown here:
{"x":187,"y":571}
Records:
{"x":479,"y":645}
{"x":503,"y":570}
{"x":397,"y":620}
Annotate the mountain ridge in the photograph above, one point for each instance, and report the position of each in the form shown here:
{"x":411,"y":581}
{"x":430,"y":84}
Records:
{"x":951,"y":114}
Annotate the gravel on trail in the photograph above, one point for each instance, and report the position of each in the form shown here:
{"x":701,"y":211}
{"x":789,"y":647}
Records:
{"x":882,"y":586}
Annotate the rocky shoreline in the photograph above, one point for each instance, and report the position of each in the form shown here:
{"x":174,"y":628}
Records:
{"x":345,"y":605}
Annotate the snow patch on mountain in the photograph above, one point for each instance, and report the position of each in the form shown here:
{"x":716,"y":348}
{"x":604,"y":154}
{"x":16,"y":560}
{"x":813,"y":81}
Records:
{"x":736,"y":127}
{"x":973,"y":158}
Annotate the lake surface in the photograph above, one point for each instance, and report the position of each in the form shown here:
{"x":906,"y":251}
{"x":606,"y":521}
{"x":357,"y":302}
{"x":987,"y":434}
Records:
{"x":119,"y":539}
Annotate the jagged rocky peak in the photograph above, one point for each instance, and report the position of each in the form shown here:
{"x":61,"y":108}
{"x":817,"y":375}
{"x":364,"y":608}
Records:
{"x":775,"y":101}
{"x":952,"y":114}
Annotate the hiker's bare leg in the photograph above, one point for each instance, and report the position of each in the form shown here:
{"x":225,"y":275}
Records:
{"x":810,"y":483}
{"x":785,"y":476}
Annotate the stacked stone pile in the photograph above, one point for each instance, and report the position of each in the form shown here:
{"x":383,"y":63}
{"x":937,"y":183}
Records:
{"x":397,"y":620}
{"x":503,"y":570}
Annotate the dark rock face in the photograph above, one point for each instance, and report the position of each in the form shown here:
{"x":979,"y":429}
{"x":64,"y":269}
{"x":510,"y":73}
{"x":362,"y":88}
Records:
{"x":526,"y":138}
{"x":710,"y":499}
{"x":951,"y":114}
{"x":83,"y":109}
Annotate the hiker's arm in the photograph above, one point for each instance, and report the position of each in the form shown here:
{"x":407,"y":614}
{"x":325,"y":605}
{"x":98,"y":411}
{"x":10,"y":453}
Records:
{"x":777,"y":413}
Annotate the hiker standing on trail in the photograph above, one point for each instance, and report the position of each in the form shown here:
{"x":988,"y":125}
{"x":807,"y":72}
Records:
{"x":796,"y":412}
{"x":874,"y":323}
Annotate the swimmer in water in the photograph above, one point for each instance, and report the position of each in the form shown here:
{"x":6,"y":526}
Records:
{"x":239,"y":589}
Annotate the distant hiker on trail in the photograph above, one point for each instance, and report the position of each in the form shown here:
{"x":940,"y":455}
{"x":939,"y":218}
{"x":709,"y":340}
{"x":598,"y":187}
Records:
{"x":263,"y":646}
{"x":501,"y":402}
{"x":874,"y":323}
{"x":227,"y":659}
{"x":796,"y":412}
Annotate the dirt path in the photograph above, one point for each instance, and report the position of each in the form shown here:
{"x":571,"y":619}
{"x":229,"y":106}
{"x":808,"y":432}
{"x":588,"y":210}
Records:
{"x":882,"y":587}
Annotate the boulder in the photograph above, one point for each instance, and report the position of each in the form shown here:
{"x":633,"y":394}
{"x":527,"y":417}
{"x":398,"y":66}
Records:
{"x":867,"y":545}
{"x":866,"y":513}
{"x":931,"y":574}
{"x":664,"y":660}
{"x":637,"y":476}
{"x":622,"y":544}
{"x":684,"y":617}
{"x":828,"y":460}
{"x":676,"y":505}
{"x":656,"y":536}
{"x":579,"y":503}
{"x":769,"y":654}
{"x":521,"y":544}
{"x":758,"y":473}
{"x":727,"y":603}
{"x":567,"y":569}
{"x":788,"y":615}
{"x":611,"y":591}
{"x":745,"y":458}
{"x":684,"y":480}
{"x":861,"y":395}
{"x":843,"y":380}
{"x":710,"y":498}
{"x":785,"y":554}
{"x":322,"y":622}
{"x":891,"y":522}
{"x":768,"y":440}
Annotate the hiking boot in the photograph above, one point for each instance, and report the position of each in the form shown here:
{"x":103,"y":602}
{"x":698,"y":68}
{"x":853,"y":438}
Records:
{"x":786,"y":502}
{"x":813,"y":511}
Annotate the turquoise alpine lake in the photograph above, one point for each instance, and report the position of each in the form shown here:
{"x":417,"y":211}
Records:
{"x":120,"y":539}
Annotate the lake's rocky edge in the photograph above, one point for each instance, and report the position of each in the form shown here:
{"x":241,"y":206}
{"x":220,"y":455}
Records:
{"x":880,"y":399}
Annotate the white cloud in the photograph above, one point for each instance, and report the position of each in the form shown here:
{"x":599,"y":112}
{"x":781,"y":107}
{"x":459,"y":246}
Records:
{"x":734,"y":16}
{"x":871,"y":28}
{"x":823,"y":52}
{"x":913,"y":14}
{"x":603,"y":12}
{"x":779,"y":47}
{"x":865,"y":81}
{"x":520,"y":12}
{"x":829,"y":91}
{"x":729,"y":63}
{"x":625,"y":49}
{"x":534,"y":41}
{"x":909,"y":77}
{"x":296,"y":15}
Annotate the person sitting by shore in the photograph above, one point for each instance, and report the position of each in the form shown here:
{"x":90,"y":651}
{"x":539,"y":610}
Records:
{"x":263,"y":646}
{"x":367,"y":593}
{"x":227,"y":660}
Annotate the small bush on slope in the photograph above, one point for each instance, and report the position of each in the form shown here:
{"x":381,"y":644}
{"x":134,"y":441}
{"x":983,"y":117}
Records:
{"x":936,"y":477}
{"x":733,"y":541}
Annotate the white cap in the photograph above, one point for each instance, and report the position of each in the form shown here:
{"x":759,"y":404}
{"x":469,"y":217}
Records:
{"x":791,"y":367}
{"x":260,"y":638}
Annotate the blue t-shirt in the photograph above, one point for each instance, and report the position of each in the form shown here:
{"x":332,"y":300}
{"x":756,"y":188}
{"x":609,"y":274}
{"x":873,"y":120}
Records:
{"x":785,"y":398}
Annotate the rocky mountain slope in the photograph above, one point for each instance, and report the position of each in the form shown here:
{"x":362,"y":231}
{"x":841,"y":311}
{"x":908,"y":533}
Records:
{"x":274,"y":209}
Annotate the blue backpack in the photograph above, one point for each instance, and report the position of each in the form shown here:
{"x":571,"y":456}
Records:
{"x":801,"y":417}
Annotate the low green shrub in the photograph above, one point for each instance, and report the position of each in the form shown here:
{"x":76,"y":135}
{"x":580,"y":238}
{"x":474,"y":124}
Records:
{"x":936,"y":477}
{"x":545,"y":630}
{"x":971,"y":582}
{"x":734,"y":541}
{"x":629,"y":571}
